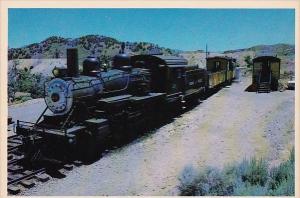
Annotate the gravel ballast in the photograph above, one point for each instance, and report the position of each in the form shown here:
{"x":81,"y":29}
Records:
{"x":226,"y":128}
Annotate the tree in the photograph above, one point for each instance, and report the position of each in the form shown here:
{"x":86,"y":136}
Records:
{"x":12,"y":79}
{"x":104,"y":59}
{"x":248,"y":61}
{"x":56,"y":53}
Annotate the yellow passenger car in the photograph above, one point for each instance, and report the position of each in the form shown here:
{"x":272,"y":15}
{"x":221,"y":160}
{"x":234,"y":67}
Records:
{"x":220,"y":70}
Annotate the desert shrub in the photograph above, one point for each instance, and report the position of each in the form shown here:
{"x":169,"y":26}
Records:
{"x":209,"y":182}
{"x":243,"y":189}
{"x":214,"y":182}
{"x":250,"y":177}
{"x":282,"y":177}
{"x":188,"y":183}
{"x":254,"y":172}
{"x":285,"y":188}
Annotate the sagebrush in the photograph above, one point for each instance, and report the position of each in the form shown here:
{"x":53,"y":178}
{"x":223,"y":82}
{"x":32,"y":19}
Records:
{"x":250,"y":177}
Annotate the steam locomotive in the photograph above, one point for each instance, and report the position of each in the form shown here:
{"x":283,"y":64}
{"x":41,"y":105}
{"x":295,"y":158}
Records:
{"x":87,"y":109}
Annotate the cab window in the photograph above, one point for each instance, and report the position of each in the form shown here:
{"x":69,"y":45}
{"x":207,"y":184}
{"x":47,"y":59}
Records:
{"x":217,"y":65}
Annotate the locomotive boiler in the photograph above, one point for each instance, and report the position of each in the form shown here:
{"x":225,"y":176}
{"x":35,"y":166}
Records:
{"x":68,"y":87}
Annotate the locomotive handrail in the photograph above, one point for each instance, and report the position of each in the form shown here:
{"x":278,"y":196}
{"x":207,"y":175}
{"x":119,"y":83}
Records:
{"x":86,"y":81}
{"x":41,"y":115}
{"x":103,"y":81}
{"x":26,"y":122}
{"x":66,"y":121}
{"x":123,"y":74}
{"x":119,"y":89}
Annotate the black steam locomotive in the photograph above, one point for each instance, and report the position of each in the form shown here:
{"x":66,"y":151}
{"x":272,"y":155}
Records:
{"x":98,"y":105}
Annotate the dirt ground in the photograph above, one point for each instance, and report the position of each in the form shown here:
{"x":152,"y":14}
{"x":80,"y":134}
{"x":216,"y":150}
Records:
{"x":227,"y":127}
{"x":28,"y":111}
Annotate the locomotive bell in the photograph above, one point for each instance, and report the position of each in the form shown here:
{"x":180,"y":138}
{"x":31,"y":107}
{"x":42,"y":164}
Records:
{"x":90,"y":64}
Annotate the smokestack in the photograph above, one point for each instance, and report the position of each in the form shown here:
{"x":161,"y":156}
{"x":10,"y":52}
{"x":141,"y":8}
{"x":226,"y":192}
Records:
{"x":72,"y":62}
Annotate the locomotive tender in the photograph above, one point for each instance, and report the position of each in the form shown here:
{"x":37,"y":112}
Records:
{"x":88,"y":108}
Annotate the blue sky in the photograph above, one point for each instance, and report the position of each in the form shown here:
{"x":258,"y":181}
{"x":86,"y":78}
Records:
{"x":185,"y":29}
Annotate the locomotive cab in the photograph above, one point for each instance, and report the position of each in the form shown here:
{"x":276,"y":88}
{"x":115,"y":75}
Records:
{"x":172,"y":75}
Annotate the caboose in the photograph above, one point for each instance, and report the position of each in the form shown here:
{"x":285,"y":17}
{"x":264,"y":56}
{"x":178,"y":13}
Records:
{"x":266,"y":73}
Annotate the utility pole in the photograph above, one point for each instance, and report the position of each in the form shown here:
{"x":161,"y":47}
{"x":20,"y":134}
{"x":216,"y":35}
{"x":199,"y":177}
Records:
{"x":122,"y":48}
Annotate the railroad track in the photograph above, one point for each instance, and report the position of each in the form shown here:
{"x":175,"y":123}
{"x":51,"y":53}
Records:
{"x":13,"y":154}
{"x":14,"y":142}
{"x":19,"y":177}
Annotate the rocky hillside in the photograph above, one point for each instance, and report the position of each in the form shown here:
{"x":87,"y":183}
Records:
{"x":54,"y":48}
{"x":100,"y":46}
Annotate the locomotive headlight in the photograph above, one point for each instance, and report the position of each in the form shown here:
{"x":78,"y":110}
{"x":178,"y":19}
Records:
{"x":55,"y":72}
{"x":58,"y":95}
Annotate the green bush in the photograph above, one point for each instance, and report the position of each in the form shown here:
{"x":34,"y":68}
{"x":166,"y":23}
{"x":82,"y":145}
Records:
{"x":250,"y":177}
{"x":23,"y":99}
{"x":25,"y":81}
{"x":248,"y":61}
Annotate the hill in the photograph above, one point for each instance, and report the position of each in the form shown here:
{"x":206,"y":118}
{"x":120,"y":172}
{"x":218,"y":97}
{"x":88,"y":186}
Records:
{"x":100,"y":46}
{"x":106,"y":47}
{"x":285,"y":52}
